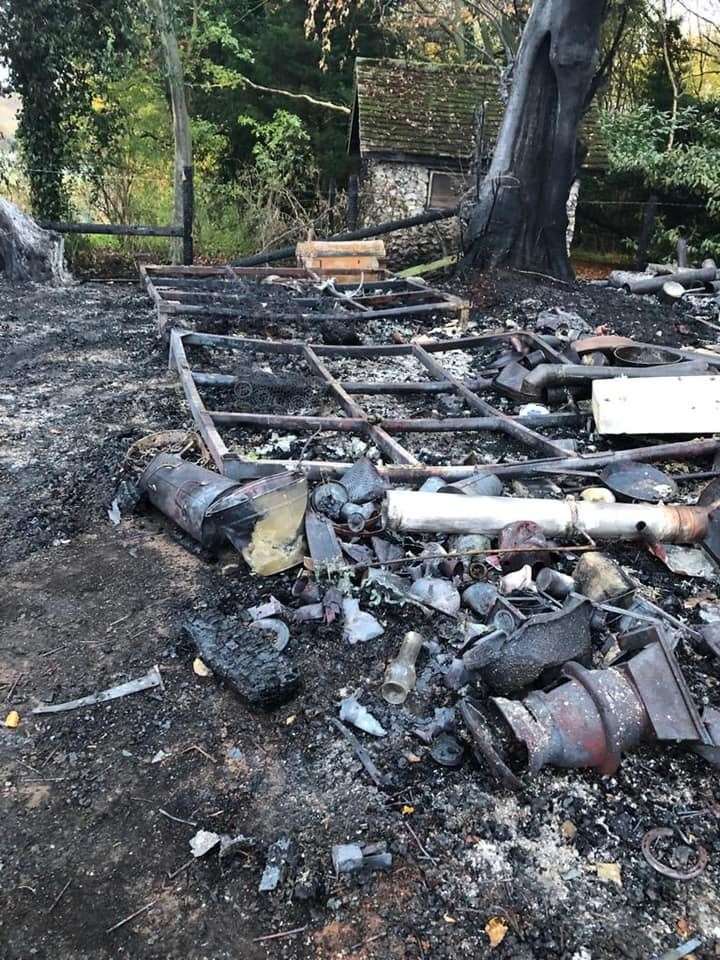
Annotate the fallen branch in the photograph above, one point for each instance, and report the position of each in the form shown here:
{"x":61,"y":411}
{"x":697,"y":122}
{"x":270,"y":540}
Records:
{"x":132,"y":916}
{"x":59,"y":897}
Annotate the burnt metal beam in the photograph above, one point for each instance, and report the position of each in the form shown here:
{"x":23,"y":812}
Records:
{"x":325,"y":469}
{"x":389,"y":446}
{"x":323,"y":349}
{"x":366,"y":388}
{"x":271,"y":421}
{"x":513,"y":429}
{"x":177,"y":359}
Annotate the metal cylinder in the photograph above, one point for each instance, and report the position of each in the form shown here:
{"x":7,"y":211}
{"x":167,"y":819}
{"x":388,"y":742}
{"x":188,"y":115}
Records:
{"x":588,"y":722}
{"x":539,"y":379}
{"x":556,"y":584}
{"x":407,"y":511}
{"x":184,"y":492}
{"x":478,"y":485}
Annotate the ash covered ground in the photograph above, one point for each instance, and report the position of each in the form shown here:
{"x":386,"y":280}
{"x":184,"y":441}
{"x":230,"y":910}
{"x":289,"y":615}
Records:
{"x":99,"y":805}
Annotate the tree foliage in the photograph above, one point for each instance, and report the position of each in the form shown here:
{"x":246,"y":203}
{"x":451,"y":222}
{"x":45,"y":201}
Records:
{"x":686,"y":174}
{"x":53,"y":51}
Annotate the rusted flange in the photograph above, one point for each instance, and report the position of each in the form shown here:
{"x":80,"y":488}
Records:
{"x":658,"y":833}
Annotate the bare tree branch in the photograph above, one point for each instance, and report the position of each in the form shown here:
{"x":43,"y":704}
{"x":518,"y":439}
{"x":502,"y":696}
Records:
{"x":326,"y":104}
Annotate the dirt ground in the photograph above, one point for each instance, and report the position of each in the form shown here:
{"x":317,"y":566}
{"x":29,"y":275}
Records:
{"x":98,"y":805}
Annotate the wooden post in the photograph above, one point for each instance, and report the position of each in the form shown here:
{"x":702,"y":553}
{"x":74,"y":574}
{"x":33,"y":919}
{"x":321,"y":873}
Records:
{"x":181,"y":119}
{"x":682,"y":253}
{"x":646,"y":231}
{"x":353,"y":198}
{"x":332,"y":193}
{"x":188,"y":198}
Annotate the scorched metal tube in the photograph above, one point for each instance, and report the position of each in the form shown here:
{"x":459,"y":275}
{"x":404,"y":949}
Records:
{"x":411,"y":512}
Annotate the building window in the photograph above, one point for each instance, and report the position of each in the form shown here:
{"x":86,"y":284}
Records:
{"x":444,"y":190}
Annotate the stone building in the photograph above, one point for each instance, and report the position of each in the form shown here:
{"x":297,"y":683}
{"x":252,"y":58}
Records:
{"x":421,"y":134}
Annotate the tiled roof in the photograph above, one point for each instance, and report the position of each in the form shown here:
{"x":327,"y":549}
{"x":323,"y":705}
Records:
{"x":429,"y":109}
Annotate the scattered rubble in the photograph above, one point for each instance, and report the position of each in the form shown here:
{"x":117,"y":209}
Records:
{"x":490,"y":616}
{"x":522,"y":626}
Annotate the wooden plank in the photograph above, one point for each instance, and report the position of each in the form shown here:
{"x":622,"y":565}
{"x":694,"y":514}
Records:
{"x":328,"y":248}
{"x":667,"y":405}
{"x":422,"y":269}
{"x":346,"y":263}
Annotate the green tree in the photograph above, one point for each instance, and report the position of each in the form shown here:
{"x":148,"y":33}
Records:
{"x":53,"y":51}
{"x":686,"y":173}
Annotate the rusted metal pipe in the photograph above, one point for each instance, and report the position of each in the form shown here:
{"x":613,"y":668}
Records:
{"x":268,"y":421}
{"x":411,"y":512}
{"x":399,"y":473}
{"x":535,"y":382}
{"x":567,"y":375}
{"x":592,"y":719}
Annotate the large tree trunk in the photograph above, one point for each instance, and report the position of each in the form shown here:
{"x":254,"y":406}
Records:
{"x":28,"y":252}
{"x":520,"y":217}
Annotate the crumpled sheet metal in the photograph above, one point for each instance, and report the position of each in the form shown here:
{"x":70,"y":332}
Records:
{"x":544,"y":642}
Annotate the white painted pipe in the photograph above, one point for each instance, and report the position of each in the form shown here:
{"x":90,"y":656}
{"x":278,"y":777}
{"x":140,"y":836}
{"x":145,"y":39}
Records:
{"x":412,"y":512}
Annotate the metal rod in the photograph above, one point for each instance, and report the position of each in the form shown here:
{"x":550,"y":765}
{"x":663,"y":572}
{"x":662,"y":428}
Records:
{"x":396,"y":452}
{"x":192,"y":310}
{"x":396,"y":473}
{"x":270,"y":421}
{"x":512,"y":428}
{"x":367,"y":388}
{"x":113,"y":229}
{"x":333,"y":350}
{"x":213,"y":440}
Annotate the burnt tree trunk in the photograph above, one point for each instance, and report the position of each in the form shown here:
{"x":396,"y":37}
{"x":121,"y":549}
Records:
{"x":27,"y":252}
{"x":520,"y":216}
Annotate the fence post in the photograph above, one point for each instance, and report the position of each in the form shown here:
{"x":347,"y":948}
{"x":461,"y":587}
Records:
{"x":332,"y":194}
{"x":682,"y":253}
{"x":188,"y":207}
{"x":353,"y":198}
{"x":646,"y":231}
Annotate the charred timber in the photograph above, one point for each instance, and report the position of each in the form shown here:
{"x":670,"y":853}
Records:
{"x":520,"y":217}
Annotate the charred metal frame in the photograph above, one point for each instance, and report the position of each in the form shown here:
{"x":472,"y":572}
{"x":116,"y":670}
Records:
{"x":219,"y":292}
{"x":356,"y":420}
{"x":402,"y":467}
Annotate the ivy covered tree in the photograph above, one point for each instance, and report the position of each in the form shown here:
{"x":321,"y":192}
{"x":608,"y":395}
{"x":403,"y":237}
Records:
{"x":53,"y":50}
